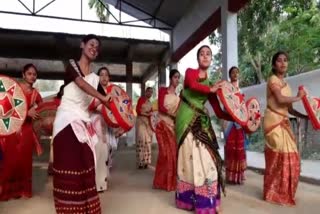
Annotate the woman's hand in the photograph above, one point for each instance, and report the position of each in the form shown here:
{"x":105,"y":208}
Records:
{"x":301,"y":93}
{"x":216,"y":86}
{"x":147,"y":114}
{"x":33,"y":114}
{"x":106,"y":100}
{"x":119,"y":132}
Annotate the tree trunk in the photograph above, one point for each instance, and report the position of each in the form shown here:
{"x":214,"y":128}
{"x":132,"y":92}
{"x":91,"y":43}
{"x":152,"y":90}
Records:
{"x":256,"y":64}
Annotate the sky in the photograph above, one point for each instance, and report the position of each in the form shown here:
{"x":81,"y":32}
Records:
{"x":71,"y":9}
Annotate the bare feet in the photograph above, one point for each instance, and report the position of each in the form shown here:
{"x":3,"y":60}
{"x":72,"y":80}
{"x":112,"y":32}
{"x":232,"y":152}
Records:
{"x":219,"y":210}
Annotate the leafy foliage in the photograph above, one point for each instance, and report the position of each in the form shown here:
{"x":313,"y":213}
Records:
{"x":101,"y":9}
{"x":264,"y":27}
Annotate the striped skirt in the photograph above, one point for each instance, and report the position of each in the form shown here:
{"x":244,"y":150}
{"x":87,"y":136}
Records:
{"x":74,"y":187}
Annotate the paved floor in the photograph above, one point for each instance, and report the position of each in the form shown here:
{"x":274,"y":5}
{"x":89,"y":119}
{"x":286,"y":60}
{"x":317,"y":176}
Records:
{"x":131,"y":192}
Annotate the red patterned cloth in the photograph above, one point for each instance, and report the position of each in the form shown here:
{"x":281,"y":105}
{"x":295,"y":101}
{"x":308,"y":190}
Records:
{"x":281,"y":177}
{"x":140,"y":102}
{"x":74,"y":187}
{"x":16,"y":172}
{"x":10,"y":181}
{"x":235,"y":156}
{"x":281,"y":153}
{"x":166,"y":169}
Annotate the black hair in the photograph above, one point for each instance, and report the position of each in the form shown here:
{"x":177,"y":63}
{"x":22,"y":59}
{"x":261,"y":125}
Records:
{"x":103,"y":68}
{"x":275,"y":58}
{"x":173,"y":72}
{"x":60,"y":93}
{"x":203,"y":46}
{"x":231,"y":69}
{"x":28,"y":66}
{"x":148,"y":88}
{"x":86,"y":39}
{"x":89,"y":37}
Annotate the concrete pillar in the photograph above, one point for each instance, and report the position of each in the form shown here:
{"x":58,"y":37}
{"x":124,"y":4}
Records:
{"x":162,"y":75}
{"x":129,"y":79}
{"x":143,"y":88}
{"x":229,"y":30}
{"x":173,"y":65}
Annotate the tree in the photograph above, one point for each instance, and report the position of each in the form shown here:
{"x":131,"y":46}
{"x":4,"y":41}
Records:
{"x":300,"y":36}
{"x":265,"y":27}
{"x":254,"y":23}
{"x":216,"y":69}
{"x":102,"y":10}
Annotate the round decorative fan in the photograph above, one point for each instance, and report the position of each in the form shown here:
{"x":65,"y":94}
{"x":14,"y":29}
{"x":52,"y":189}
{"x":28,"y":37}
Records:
{"x":47,"y":112}
{"x":233,"y":102}
{"x":121,"y":107}
{"x":254,"y":121}
{"x":312,"y":107}
{"x":13,"y":106}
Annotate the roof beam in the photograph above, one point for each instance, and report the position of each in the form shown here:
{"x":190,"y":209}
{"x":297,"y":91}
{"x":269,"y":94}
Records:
{"x":153,"y":68}
{"x":236,"y":5}
{"x":150,"y":71}
{"x":157,"y":10}
{"x":60,"y":53}
{"x":59,"y":75}
{"x":166,"y":56}
{"x":141,"y":10}
{"x":85,"y":20}
{"x":61,"y":44}
{"x":193,"y":28}
{"x":130,"y":51}
{"x":41,"y":75}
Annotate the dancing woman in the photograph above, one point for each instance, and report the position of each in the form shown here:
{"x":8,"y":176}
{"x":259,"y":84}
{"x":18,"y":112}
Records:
{"x":281,"y":154}
{"x":16,"y":172}
{"x":166,"y":168}
{"x":74,"y":187}
{"x":235,"y":154}
{"x":143,"y":130}
{"x":199,"y":166}
{"x":108,"y":139}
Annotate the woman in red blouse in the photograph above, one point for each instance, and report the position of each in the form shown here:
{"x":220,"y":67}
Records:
{"x":199,"y":164}
{"x":235,"y":153}
{"x":168,"y":103}
{"x":143,"y":130}
{"x":16,"y":175}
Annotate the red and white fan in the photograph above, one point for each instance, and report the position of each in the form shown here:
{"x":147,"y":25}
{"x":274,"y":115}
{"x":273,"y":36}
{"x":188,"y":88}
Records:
{"x":312,"y":107}
{"x":234,"y":103}
{"x":120,"y":113}
{"x":47,"y":112}
{"x":254,"y":121}
{"x":13,"y":106}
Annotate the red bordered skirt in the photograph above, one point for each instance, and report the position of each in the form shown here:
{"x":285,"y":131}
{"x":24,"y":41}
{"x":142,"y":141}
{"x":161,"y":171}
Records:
{"x":74,"y":187}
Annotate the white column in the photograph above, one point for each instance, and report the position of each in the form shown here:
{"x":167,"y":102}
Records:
{"x":229,"y":31}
